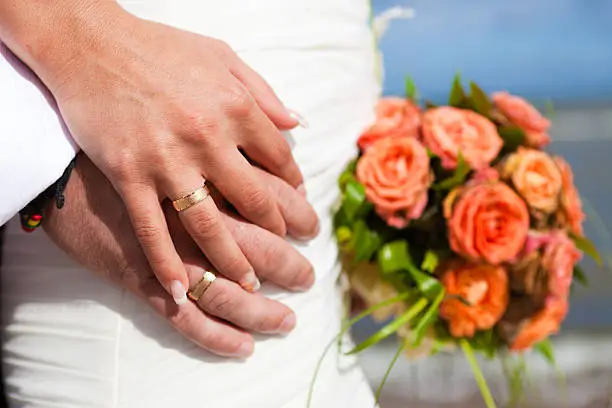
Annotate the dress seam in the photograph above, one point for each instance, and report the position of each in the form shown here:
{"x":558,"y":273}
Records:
{"x":118,"y":330}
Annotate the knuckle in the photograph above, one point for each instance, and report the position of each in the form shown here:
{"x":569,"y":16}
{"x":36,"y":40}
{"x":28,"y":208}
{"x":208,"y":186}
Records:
{"x":282,"y":157}
{"x":238,"y":102}
{"x":258,"y":202}
{"x":221,"y":303}
{"x":205,"y":225}
{"x":147,"y":233}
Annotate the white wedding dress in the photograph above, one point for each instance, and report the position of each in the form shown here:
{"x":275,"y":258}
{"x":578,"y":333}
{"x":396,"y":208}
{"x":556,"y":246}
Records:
{"x":70,"y":339}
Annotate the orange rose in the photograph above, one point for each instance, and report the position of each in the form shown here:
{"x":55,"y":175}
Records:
{"x":487,"y":222}
{"x":524,"y":115}
{"x":448,"y":131}
{"x":396,"y":176}
{"x":536,"y":177}
{"x":571,"y":206}
{"x":537,"y":328}
{"x":484,"y":286}
{"x":395,"y":117}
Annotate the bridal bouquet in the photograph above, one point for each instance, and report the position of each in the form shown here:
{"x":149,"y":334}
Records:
{"x":459,"y":228}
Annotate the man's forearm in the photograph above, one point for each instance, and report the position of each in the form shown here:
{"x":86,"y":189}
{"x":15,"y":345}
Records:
{"x":49,"y":35}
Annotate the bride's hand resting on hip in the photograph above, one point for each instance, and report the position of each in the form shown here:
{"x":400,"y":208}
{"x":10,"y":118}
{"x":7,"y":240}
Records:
{"x":160,"y":111}
{"x":93,"y":228}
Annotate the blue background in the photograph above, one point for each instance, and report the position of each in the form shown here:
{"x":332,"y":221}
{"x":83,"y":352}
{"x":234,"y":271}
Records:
{"x":541,"y":49}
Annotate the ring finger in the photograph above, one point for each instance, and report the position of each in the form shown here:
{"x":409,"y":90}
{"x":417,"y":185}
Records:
{"x":201,"y":219}
{"x":224,"y":299}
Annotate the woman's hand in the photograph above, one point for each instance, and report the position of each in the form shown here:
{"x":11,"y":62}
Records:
{"x":160,"y":111}
{"x":93,"y":229}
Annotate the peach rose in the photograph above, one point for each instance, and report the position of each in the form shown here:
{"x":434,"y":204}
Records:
{"x":396,"y":176}
{"x":487,"y":222}
{"x":559,"y":256}
{"x":484,"y":286}
{"x":536,"y":177}
{"x":541,"y":325}
{"x":448,"y":131}
{"x":571,"y":207}
{"x":395,"y":117}
{"x":524,"y":115}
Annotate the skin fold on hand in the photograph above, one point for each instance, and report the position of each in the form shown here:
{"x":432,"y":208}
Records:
{"x":94,"y":229}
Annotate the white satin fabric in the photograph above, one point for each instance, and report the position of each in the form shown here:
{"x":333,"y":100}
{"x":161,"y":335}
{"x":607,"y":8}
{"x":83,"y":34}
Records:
{"x":73,"y":340}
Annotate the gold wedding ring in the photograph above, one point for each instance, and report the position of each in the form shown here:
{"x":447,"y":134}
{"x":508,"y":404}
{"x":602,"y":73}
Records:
{"x":202,"y":286}
{"x":191,"y":199}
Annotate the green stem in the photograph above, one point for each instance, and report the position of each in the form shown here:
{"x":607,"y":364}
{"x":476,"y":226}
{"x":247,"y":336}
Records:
{"x":480,"y":380}
{"x":398,"y":353}
{"x":345,"y":329}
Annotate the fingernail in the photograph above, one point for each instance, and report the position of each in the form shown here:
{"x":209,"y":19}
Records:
{"x":179,"y":294}
{"x":287,"y":325}
{"x":302,"y":190}
{"x":300,"y":119}
{"x":245,"y":350}
{"x":250,"y":283}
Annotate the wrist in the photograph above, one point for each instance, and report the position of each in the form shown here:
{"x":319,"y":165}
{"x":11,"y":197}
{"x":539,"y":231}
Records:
{"x":53,"y":39}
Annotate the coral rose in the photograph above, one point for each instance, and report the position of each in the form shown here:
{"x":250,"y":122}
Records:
{"x":525,"y":116}
{"x":395,"y":117}
{"x":570,"y":213}
{"x":484,"y":286}
{"x":448,"y":131}
{"x":536,"y":177}
{"x":396,"y":176}
{"x":487,"y":222}
{"x":545,"y":322}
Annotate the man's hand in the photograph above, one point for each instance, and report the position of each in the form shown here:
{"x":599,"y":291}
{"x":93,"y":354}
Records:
{"x":94,"y":228}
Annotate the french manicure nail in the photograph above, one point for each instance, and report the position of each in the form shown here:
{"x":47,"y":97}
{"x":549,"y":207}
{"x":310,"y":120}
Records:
{"x":287,"y":325}
{"x":179,"y":294}
{"x":300,"y":119}
{"x":250,"y":283}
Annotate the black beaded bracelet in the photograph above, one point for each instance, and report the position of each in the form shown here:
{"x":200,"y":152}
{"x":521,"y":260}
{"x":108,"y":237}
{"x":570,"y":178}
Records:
{"x":32,"y":214}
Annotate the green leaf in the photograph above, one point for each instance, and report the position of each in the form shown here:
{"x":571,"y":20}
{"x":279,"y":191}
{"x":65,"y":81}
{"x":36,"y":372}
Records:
{"x":512,"y":136}
{"x":392,"y":327}
{"x":354,"y":199}
{"x":411,"y":89}
{"x":457,"y":95}
{"x":580,"y":276}
{"x":430,"y":261}
{"x":480,"y":100}
{"x":428,"y":318}
{"x":585,"y":245}
{"x":480,"y":379}
{"x":365,"y":241}
{"x":546,"y":349}
{"x":347,"y":175}
{"x":394,"y":257}
{"x":458,"y":177}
